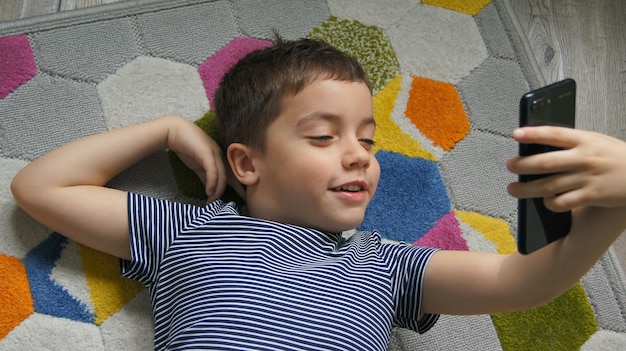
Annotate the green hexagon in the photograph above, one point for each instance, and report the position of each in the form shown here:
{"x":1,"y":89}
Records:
{"x":368,"y":44}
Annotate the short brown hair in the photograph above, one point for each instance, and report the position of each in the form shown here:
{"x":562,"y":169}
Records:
{"x":251,"y":93}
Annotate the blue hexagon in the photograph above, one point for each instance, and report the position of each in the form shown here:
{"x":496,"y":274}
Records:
{"x":48,"y":296}
{"x":411,"y":197}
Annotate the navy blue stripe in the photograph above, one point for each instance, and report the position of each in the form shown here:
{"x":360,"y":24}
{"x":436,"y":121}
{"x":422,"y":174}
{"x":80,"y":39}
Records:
{"x":219,"y":280}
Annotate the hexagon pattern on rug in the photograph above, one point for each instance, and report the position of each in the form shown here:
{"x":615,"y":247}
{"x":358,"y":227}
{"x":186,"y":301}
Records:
{"x":444,"y":87}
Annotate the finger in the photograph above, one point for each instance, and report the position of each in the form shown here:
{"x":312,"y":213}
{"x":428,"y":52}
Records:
{"x":545,"y":163}
{"x":216,"y":177}
{"x":566,"y":201}
{"x":561,"y":137}
{"x":556,"y":203}
{"x":550,"y":186}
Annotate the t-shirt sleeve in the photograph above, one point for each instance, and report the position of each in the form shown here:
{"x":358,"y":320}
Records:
{"x":153,"y":226}
{"x":408,"y":267}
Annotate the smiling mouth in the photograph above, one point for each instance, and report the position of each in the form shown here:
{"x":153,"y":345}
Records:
{"x":349,"y":188}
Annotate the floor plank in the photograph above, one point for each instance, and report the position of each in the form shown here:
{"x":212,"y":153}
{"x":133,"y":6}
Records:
{"x":16,"y":9}
{"x":583,"y":40}
{"x":10,"y":10}
{"x":32,"y":8}
{"x":67,"y":5}
{"x":535,"y":18}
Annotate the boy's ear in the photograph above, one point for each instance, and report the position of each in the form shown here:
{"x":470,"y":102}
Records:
{"x":239,"y":158}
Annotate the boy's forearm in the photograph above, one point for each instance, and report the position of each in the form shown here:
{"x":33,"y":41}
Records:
{"x":64,"y":188}
{"x":90,"y":161}
{"x":95,"y":159}
{"x":549,"y":272}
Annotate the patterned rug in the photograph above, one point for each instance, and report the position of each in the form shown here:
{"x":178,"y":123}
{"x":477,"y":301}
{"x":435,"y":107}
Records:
{"x":447,"y":77}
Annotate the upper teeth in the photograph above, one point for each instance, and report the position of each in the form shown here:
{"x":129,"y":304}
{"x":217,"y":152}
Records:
{"x":349,"y":188}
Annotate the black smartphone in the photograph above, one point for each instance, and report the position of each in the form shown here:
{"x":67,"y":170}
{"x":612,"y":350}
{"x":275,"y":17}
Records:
{"x":554,"y":104}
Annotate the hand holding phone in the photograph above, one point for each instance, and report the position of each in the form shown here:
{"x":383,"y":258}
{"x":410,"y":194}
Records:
{"x":555,"y":105}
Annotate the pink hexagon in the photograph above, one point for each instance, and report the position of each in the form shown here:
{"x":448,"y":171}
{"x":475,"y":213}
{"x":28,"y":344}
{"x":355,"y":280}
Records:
{"x":445,"y":234}
{"x":17,"y":63}
{"x":212,"y":70}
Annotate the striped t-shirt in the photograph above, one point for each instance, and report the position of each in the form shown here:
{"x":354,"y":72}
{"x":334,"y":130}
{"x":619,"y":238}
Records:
{"x":222,"y":281}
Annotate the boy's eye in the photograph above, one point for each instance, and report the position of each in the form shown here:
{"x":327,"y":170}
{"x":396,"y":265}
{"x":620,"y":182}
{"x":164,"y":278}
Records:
{"x":322,"y":137}
{"x":369,"y":142}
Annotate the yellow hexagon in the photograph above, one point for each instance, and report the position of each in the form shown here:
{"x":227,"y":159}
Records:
{"x":471,"y":7}
{"x":389,"y":136}
{"x":109,"y":291}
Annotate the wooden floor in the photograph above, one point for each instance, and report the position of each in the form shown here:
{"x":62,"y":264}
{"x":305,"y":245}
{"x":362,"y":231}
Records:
{"x":581,"y":39}
{"x":584,"y":40}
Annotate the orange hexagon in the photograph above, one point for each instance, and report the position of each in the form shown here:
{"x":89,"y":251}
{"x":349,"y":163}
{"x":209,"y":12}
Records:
{"x":15,"y":297}
{"x":435,"y":108}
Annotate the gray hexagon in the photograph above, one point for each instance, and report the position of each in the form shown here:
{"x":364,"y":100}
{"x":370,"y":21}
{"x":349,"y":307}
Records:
{"x":151,"y":176}
{"x":88,"y":49}
{"x":491,"y":95}
{"x":497,"y":42}
{"x":476,"y":176}
{"x":431,"y":52}
{"x":456,"y":332}
{"x":150,"y":87}
{"x":292,"y":19}
{"x":206,"y":30}
{"x":47,"y":113}
{"x":373,"y":13}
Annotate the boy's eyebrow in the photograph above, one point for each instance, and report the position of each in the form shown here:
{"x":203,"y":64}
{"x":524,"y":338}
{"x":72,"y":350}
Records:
{"x":331,"y":118}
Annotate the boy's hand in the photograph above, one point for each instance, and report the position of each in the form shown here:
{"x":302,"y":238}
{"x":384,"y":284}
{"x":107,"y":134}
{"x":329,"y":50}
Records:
{"x":591,"y":168}
{"x":590,"y":179}
{"x":201,"y":154}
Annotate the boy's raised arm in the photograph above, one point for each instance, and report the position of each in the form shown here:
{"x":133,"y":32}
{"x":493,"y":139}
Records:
{"x":591,"y":182}
{"x":64,"y":189}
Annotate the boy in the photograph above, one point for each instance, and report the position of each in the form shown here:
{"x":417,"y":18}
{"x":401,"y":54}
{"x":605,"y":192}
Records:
{"x":296,"y":126}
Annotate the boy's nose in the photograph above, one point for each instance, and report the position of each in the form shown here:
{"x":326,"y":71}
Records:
{"x":356,"y":155}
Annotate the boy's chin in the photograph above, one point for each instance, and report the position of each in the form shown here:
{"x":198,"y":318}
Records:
{"x":347,"y":224}
{"x":332,"y":224}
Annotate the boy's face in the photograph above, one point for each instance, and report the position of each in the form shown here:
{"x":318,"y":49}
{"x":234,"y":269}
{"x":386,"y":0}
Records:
{"x":318,"y":169}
